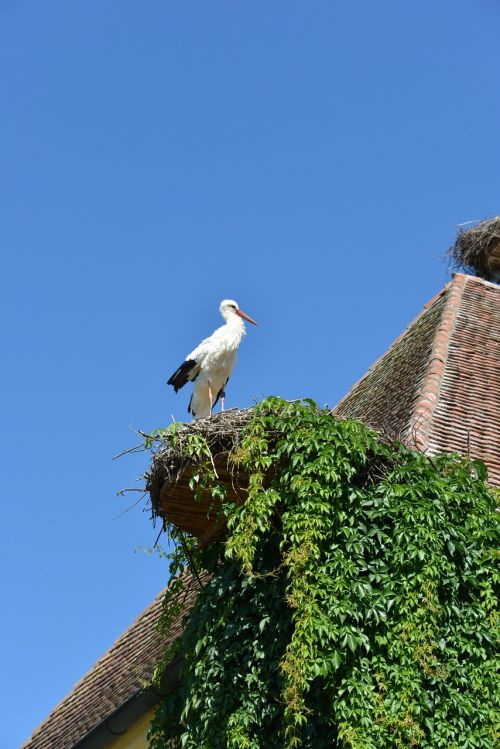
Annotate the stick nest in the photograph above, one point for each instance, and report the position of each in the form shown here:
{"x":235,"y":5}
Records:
{"x":477,"y":250}
{"x":222,"y":432}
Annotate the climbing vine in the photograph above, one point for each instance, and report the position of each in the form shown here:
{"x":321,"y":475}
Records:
{"x":353,"y":603}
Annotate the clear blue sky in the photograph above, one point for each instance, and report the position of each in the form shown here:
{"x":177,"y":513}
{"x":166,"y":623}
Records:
{"x":309,"y":159}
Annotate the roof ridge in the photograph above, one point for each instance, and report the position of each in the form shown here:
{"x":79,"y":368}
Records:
{"x":483,"y":281}
{"x":421,"y":417}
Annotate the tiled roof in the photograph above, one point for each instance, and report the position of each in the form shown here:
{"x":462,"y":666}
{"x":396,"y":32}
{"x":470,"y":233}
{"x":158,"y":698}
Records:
{"x":118,"y":676}
{"x":466,"y":414}
{"x":385,"y":396}
{"x":438,"y":385}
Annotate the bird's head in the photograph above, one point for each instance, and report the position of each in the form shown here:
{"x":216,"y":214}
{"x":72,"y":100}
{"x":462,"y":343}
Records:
{"x":229,"y":309}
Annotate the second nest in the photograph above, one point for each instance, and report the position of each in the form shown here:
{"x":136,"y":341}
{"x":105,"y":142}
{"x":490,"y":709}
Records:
{"x":477,"y":250}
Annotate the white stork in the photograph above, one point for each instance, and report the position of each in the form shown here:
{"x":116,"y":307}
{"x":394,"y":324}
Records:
{"x":210,"y":365}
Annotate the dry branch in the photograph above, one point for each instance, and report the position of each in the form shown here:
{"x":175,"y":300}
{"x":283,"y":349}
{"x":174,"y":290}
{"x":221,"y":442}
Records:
{"x":477,"y":250}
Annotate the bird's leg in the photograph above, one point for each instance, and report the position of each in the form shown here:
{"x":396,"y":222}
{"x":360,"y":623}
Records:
{"x":222,"y":396}
{"x":210,"y":396}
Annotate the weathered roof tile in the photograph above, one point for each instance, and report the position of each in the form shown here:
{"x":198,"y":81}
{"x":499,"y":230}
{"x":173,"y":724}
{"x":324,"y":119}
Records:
{"x":438,"y":385}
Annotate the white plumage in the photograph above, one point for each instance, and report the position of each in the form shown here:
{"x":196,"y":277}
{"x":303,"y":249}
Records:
{"x":210,"y":364}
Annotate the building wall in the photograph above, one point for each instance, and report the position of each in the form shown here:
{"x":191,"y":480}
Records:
{"x":135,"y":736}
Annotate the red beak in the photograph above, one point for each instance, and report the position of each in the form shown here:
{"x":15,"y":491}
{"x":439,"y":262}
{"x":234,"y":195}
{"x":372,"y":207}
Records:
{"x":240,"y":313}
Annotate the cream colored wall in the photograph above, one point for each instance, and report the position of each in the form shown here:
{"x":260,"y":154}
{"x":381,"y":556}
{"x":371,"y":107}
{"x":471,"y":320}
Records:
{"x":135,"y":736}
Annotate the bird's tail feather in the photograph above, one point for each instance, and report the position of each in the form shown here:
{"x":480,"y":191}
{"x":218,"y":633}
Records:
{"x":183,"y":374}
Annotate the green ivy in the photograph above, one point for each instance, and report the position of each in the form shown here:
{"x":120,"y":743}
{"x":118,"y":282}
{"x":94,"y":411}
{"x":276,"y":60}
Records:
{"x":354,"y":602}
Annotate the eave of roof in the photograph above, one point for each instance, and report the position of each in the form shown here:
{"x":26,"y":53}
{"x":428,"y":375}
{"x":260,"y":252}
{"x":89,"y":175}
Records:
{"x":137,"y":705}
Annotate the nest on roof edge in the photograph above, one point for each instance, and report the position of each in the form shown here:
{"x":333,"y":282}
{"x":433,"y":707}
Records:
{"x":169,"y":476}
{"x":477,"y":249}
{"x":193,"y":509}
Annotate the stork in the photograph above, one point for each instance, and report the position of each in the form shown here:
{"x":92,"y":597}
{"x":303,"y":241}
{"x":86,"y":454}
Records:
{"x":210,"y":364}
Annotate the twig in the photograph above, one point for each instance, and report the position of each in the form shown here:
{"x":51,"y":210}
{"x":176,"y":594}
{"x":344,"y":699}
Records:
{"x":146,"y":435}
{"x":158,"y":536}
{"x":131,"y":506}
{"x":213,"y":464}
{"x":190,"y":559}
{"x":431,"y":462}
{"x":136,"y":449}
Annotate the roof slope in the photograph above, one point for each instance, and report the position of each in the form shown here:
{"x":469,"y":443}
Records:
{"x":438,"y":385}
{"x":119,"y":675}
{"x":466,"y":414}
{"x":385,"y":396}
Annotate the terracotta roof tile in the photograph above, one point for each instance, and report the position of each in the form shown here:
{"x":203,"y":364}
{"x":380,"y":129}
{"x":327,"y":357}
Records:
{"x":389,"y":391}
{"x":466,"y":417}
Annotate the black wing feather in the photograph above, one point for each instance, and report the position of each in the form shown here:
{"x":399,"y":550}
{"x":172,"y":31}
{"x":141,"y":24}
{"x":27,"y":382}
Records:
{"x":181,"y":375}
